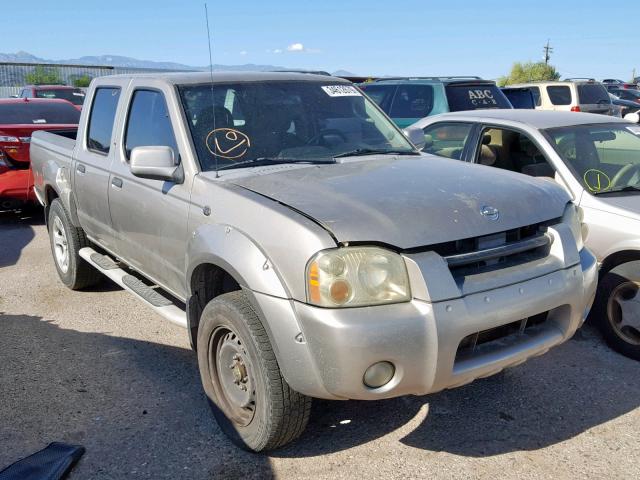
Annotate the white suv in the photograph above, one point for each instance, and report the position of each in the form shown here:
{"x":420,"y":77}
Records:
{"x":571,"y":95}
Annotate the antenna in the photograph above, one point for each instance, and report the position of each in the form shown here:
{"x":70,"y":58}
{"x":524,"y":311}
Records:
{"x":213,"y":103}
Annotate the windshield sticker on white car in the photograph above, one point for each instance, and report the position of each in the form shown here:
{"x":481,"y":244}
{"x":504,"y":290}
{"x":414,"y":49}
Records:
{"x":227,"y":143}
{"x":341,"y":91}
{"x":635,"y":130}
{"x":39,"y":120}
{"x":596,"y":180}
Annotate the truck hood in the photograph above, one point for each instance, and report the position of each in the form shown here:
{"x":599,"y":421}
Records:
{"x":407,"y":202}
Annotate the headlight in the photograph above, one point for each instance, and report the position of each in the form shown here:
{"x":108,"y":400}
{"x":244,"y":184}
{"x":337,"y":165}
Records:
{"x":573,"y":217}
{"x":6,"y":139}
{"x":357,"y":276}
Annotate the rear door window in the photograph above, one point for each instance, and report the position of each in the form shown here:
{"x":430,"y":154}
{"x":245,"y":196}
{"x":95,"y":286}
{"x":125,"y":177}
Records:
{"x":559,"y":94}
{"x":592,"y":94}
{"x":446,"y":139}
{"x":148,"y":124}
{"x":412,"y":101}
{"x":103,"y":114}
{"x":475,"y":97}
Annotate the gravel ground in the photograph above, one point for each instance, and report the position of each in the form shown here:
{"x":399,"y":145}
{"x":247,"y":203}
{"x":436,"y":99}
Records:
{"x":100,"y":369}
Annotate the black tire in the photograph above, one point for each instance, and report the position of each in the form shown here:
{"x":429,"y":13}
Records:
{"x":276,"y":415}
{"x":604,"y":314}
{"x":78,"y":273}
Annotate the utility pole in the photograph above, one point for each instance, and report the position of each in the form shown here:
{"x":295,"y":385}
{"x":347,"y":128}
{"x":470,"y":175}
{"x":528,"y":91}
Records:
{"x":548,"y":50}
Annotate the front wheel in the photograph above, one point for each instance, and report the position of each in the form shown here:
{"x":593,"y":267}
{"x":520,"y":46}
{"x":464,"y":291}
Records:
{"x":617,"y":313}
{"x":251,"y":401}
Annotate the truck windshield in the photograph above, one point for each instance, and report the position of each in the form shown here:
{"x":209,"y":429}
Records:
{"x":288,"y":120}
{"x":73,"y":95}
{"x":605,"y":158}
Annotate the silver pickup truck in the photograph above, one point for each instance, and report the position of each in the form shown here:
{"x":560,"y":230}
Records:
{"x":305,"y":244}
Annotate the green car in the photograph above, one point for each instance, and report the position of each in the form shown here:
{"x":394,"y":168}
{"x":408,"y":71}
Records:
{"x":408,"y":99}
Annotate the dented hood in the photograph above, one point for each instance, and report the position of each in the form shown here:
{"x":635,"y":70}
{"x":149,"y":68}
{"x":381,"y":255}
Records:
{"x":408,"y":202}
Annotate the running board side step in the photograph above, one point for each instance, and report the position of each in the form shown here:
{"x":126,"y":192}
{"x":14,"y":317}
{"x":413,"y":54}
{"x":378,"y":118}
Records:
{"x":163,"y":306}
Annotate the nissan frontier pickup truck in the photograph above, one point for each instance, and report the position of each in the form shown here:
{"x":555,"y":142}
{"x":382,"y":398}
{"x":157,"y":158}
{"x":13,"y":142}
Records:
{"x":305,"y":244}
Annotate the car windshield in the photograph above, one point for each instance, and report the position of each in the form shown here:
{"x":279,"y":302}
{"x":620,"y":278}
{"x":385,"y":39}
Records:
{"x":249,"y":122}
{"x":605,"y":158}
{"x":25,"y":113}
{"x":73,"y":95}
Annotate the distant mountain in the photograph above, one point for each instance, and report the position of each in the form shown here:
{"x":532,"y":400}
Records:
{"x":120,"y":61}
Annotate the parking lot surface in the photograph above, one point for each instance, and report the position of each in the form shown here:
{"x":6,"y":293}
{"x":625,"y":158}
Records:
{"x":98,"y":368}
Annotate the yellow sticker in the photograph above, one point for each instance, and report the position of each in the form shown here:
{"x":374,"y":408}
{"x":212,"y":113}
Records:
{"x":227,"y":143}
{"x":596,"y":180}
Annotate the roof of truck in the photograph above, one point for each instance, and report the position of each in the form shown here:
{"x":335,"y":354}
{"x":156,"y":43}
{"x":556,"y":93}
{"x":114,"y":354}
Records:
{"x":181,"y":78}
{"x":540,"y":119}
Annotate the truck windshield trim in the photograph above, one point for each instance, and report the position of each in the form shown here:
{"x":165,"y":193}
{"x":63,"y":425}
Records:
{"x":236,"y":122}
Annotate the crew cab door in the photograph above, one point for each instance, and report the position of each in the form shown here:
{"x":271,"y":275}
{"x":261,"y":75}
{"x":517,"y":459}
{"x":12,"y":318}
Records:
{"x":93,"y":159}
{"x":150,"y":216}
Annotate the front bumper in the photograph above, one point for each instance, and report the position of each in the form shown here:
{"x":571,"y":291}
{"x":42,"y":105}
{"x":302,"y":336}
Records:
{"x":327,"y":358}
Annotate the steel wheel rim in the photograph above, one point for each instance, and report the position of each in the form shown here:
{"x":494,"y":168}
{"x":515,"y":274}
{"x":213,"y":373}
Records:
{"x":60,"y":245}
{"x":231,"y":372}
{"x":623,"y":311}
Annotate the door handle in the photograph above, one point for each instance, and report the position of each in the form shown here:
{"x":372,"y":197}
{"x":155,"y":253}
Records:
{"x":80,"y":168}
{"x":116,"y":182}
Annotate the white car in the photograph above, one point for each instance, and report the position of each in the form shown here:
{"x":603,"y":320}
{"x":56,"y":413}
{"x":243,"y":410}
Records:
{"x":570,"y":95}
{"x":597,"y":160}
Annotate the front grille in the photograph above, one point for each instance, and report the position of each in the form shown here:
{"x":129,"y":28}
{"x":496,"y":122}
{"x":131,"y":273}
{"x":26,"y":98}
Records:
{"x":495,"y":338}
{"x":480,"y":254}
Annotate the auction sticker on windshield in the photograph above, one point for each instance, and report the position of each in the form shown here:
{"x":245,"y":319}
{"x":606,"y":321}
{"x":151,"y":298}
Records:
{"x":341,"y":91}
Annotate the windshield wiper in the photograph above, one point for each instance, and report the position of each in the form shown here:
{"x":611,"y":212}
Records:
{"x":359,"y":152}
{"x":629,"y":188}
{"x":256,"y":162}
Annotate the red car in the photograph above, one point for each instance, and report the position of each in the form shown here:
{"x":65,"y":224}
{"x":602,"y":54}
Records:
{"x":74,"y":95}
{"x":19,"y":118}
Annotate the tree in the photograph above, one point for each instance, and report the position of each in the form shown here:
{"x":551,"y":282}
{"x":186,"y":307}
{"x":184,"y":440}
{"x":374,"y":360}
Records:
{"x":529,"y":72}
{"x":42,"y":76}
{"x":82,"y":81}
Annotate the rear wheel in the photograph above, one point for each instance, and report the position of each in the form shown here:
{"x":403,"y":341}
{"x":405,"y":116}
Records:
{"x":66,"y":241}
{"x":617,"y":313}
{"x":252,"y":402}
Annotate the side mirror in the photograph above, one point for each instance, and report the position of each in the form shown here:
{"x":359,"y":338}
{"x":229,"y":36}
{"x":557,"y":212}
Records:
{"x":155,"y":163}
{"x":415,"y":136}
{"x":632,"y":117}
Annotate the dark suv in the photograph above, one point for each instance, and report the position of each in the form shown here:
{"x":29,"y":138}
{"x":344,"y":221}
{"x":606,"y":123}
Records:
{"x":408,"y":99}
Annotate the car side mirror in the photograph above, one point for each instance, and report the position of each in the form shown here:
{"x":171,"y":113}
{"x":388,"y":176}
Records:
{"x":415,"y":136}
{"x":155,"y":163}
{"x":632,"y":117}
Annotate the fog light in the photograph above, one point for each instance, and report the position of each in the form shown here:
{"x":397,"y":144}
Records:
{"x":379,"y":374}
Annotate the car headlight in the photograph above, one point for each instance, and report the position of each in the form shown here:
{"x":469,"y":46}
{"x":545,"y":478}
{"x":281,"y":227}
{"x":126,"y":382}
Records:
{"x":573,"y":217}
{"x":356,"y":277}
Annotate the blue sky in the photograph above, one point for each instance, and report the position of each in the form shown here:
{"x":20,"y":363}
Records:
{"x":401,"y":37}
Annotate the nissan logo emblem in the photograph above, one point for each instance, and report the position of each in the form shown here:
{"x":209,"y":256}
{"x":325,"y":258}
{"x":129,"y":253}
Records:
{"x":490,"y":212}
